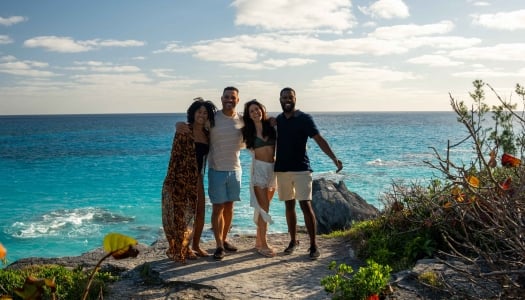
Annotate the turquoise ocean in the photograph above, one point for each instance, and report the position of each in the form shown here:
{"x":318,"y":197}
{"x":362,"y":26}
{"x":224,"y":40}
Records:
{"x":68,"y":180}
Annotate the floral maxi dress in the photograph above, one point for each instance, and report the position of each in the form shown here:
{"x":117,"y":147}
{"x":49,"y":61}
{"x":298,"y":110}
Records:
{"x":179,"y":196}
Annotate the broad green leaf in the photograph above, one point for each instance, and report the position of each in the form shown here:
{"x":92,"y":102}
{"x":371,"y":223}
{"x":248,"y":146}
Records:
{"x":119,"y":245}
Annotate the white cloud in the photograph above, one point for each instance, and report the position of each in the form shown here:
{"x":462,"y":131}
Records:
{"x":480,"y":3}
{"x":106,"y":67}
{"x":225,"y":50}
{"x":500,"y":52}
{"x":68,"y":45}
{"x":58,"y":44}
{"x":24,"y":68}
{"x":163,"y":73}
{"x":410,"y":30}
{"x":439,"y":42}
{"x":359,"y":86}
{"x":12,"y":20}
{"x":387,"y":9}
{"x":434,"y":61}
{"x":244,"y":51}
{"x":5,"y":39}
{"x":115,"y":43}
{"x":117,"y":69}
{"x":295,"y":15}
{"x":112,"y":80}
{"x":173,"y":47}
{"x":8,"y":58}
{"x":271,"y":64}
{"x":513,"y":20}
{"x":365,"y":72}
{"x":486,"y":73}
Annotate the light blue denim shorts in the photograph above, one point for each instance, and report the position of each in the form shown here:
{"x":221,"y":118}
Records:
{"x":224,"y":186}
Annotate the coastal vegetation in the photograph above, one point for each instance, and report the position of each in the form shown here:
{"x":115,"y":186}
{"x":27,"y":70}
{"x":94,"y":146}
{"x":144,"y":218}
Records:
{"x":58,"y":282}
{"x":472,"y":213}
{"x":471,"y":217}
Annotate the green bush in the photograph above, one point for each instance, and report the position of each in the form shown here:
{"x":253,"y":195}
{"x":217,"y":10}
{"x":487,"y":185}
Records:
{"x":473,"y":212}
{"x":367,"y":281}
{"x":70,"y":283}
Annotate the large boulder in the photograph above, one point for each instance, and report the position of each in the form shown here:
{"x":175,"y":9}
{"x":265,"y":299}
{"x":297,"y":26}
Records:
{"x":336,"y":207}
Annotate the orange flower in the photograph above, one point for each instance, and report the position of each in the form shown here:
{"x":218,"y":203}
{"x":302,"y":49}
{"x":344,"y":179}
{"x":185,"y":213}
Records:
{"x":373,"y":297}
{"x":458,"y":194}
{"x":508,"y":160}
{"x":447,"y":205}
{"x":506,"y":184}
{"x":473,"y":181}
{"x":3,"y":251}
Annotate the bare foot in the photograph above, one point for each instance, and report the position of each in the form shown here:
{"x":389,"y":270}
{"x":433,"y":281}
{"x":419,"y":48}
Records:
{"x":267,"y":251}
{"x":201,"y":253}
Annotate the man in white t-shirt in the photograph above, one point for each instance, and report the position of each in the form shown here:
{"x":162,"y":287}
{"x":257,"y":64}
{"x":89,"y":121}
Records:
{"x":224,"y":168}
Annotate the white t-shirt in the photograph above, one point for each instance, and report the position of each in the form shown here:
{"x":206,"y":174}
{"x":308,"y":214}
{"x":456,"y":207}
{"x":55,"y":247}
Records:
{"x":225,"y":142}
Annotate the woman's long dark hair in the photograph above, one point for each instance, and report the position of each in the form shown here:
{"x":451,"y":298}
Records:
{"x":196,"y":105}
{"x":248,"y":131}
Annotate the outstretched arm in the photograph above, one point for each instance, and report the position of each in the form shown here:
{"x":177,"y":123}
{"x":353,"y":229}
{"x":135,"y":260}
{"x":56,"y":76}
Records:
{"x":323,"y":144}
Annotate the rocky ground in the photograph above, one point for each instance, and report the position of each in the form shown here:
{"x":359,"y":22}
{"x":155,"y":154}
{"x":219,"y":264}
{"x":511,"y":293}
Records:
{"x":244,"y":274}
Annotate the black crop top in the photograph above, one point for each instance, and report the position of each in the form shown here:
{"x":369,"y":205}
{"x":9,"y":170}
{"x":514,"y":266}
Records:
{"x":258,"y":142}
{"x":201,"y":150}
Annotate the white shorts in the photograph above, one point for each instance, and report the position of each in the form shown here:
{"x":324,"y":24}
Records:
{"x":263,"y":175}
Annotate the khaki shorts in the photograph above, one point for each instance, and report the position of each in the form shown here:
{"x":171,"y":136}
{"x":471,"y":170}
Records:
{"x":294,"y":185}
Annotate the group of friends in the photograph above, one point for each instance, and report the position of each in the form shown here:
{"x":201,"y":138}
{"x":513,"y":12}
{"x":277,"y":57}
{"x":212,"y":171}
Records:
{"x":215,"y":138}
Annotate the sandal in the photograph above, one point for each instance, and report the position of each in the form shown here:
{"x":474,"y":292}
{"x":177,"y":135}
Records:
{"x":229,"y":247}
{"x":219,"y":254}
{"x":201,"y":253}
{"x":267,"y":252}
{"x":291,"y":247}
{"x":191,"y":255}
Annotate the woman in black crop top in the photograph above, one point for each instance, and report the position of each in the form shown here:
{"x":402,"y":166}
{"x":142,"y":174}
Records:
{"x":183,"y":202}
{"x":259,"y":137}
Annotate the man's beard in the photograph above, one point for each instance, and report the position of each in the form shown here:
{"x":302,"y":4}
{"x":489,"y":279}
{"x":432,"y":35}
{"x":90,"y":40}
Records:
{"x":288,"y":107}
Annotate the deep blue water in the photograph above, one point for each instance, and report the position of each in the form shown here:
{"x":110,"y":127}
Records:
{"x":68,"y":180}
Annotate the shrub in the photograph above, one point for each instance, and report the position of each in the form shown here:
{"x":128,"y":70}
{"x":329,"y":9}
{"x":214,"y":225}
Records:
{"x":367,"y":281}
{"x":472,"y":213}
{"x":40,"y":282}
{"x":71,"y":283}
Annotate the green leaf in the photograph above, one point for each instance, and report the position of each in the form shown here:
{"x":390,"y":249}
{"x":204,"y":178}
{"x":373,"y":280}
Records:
{"x":119,"y":245}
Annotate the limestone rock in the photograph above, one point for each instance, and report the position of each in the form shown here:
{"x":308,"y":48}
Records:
{"x":336,"y":207}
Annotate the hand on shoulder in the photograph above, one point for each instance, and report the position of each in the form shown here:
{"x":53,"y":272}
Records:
{"x":182,"y":127}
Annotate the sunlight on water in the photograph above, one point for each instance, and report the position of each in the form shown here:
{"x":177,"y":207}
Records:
{"x":66,"y":181}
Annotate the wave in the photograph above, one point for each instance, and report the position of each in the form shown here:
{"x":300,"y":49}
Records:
{"x":390,"y":163}
{"x":67,"y":222}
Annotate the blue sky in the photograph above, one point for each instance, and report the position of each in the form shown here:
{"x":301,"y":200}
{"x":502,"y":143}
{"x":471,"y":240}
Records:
{"x":131,"y":56}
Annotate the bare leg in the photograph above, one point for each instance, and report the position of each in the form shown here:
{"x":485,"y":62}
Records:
{"x":199,"y":220}
{"x":217,"y":222}
{"x":309,"y":220}
{"x":291,"y":219}
{"x":262,"y":199}
{"x":227,"y":216}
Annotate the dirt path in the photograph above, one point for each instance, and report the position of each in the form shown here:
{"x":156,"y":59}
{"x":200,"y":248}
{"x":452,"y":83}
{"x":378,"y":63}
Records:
{"x":241,"y":275}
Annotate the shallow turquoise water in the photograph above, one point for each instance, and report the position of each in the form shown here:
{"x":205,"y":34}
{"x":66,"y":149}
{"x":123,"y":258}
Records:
{"x":66,"y":181}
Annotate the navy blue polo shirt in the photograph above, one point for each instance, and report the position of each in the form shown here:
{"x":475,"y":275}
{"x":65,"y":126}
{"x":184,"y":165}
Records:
{"x":292,"y":136}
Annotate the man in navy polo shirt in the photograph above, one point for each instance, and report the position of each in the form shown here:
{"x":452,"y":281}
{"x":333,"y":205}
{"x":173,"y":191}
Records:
{"x":292,"y":167}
